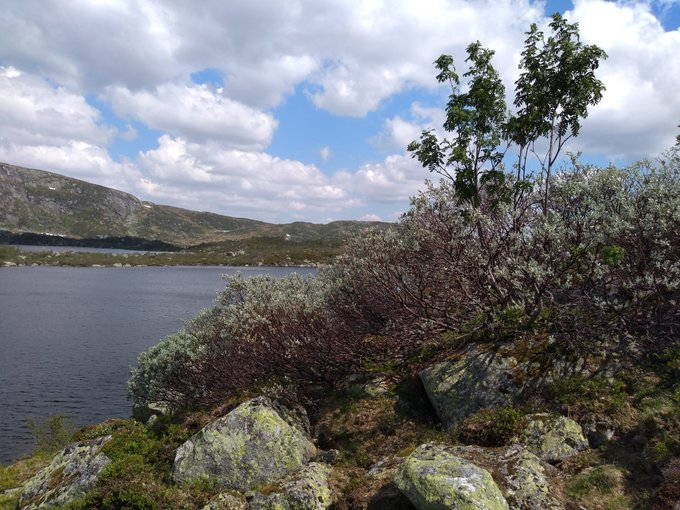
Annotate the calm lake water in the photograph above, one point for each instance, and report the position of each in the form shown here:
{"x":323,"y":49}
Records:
{"x":68,"y":337}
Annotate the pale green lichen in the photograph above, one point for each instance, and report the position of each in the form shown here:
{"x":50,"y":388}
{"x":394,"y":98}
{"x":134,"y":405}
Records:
{"x":432,"y":478}
{"x":73,"y":471}
{"x":306,"y":489}
{"x":250,"y":446}
{"x":552,"y":438}
{"x":527,"y":485}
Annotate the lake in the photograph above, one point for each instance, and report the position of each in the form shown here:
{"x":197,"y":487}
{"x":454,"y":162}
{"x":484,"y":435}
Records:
{"x":68,"y":336}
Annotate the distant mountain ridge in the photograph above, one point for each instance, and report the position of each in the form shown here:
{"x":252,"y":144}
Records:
{"x":40,"y":202}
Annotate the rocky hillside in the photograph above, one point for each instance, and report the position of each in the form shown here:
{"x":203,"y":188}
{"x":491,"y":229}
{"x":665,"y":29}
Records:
{"x":36,"y":201}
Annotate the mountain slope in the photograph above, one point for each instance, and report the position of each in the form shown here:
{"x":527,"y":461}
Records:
{"x":44,"y":202}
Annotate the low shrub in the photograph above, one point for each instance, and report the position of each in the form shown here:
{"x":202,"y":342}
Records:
{"x":51,"y":434}
{"x":490,"y":426}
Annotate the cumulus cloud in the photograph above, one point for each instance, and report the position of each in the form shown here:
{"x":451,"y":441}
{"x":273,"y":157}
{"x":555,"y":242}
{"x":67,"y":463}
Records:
{"x":45,"y":126}
{"x":33,"y":111}
{"x":640,"y":107}
{"x":87,"y":44}
{"x":230,"y":180}
{"x":398,"y":132}
{"x":196,"y":112}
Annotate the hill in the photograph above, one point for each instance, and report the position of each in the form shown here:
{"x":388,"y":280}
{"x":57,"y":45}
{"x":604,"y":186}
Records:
{"x":40,"y":202}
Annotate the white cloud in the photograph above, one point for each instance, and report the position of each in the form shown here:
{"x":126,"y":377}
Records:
{"x":370,"y":217}
{"x":130,"y":133}
{"x":196,"y":112}
{"x":395,"y":179}
{"x":45,"y":126}
{"x":75,"y":159}
{"x":233,"y":181}
{"x":325,"y":153}
{"x":399,"y":132}
{"x":641,"y":106}
{"x":85,"y":45}
{"x":32,"y":111}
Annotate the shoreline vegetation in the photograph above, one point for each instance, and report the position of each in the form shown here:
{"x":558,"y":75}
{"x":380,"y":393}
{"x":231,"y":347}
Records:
{"x":265,"y":251}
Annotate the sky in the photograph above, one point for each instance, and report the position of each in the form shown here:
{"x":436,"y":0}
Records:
{"x":296,"y":110}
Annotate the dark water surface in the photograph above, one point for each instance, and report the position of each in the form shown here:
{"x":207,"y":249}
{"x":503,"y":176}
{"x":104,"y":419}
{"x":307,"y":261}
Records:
{"x":68,"y":337}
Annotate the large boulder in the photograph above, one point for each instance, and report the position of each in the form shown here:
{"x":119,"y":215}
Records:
{"x":433,"y":478}
{"x":477,"y":378}
{"x":73,"y":472}
{"x":305,"y":489}
{"x":526,"y":481}
{"x":552,"y":438}
{"x":252,"y":445}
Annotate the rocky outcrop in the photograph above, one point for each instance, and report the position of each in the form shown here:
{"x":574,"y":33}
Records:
{"x":478,"y":378}
{"x":526,"y":483}
{"x":251,"y":446}
{"x":305,"y":489}
{"x":434,"y":478}
{"x":73,"y":472}
{"x":552,"y":438}
{"x":525,"y":480}
{"x":227,"y":501}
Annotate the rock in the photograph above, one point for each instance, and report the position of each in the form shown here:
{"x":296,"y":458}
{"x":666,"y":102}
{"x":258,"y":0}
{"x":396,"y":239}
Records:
{"x":433,"y":478}
{"x":305,"y":489}
{"x":478,"y":378}
{"x":372,"y":384}
{"x":73,"y":472}
{"x":524,"y":479}
{"x":227,"y":501}
{"x":252,"y":445}
{"x":7,"y":263}
{"x":552,"y":438}
{"x":526,"y":485}
{"x":144,"y":412}
{"x":388,"y":496}
{"x":331,"y":456}
{"x":598,"y":431}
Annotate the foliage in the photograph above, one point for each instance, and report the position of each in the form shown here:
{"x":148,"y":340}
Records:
{"x":476,"y":117}
{"x":136,"y":478}
{"x":51,"y":434}
{"x":263,"y":328}
{"x":556,"y":86}
{"x":553,"y":92}
{"x":490,"y":426}
{"x":604,"y":262}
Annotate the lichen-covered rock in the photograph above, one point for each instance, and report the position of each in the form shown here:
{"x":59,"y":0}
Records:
{"x":73,"y":472}
{"x":478,"y":378}
{"x":145,"y":412}
{"x":552,"y":438}
{"x":433,"y":478}
{"x":526,"y":485}
{"x":226,"y":501}
{"x":387,"y":496}
{"x":305,"y":489}
{"x":525,"y":480}
{"x":252,"y":445}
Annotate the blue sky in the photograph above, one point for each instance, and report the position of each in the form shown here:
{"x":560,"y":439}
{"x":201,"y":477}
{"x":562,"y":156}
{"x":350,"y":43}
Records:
{"x":280,"y":113}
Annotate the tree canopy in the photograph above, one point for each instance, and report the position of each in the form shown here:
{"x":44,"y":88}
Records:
{"x":556,"y":86}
